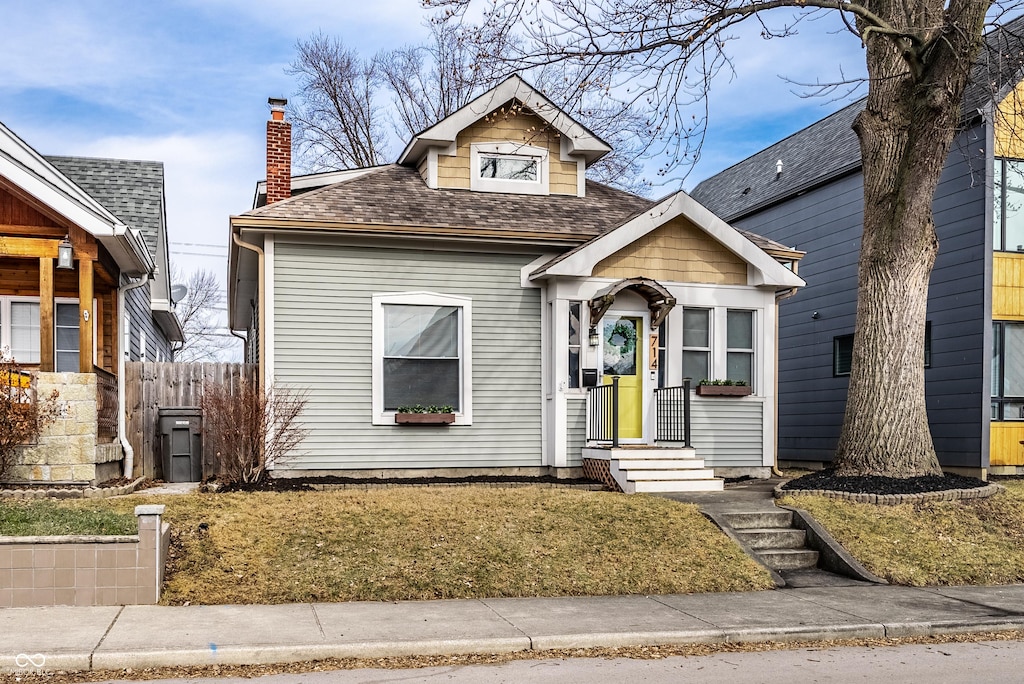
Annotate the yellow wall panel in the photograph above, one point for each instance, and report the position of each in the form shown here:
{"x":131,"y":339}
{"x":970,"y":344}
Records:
{"x":503,"y":126}
{"x":676,"y":252}
{"x":1009,"y":128}
{"x":1007,"y":286}
{"x":1005,"y":448}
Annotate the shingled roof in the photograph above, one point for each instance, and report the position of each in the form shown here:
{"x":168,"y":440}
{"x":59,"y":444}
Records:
{"x":829,"y":149}
{"x":397,"y":196}
{"x":131,"y":190}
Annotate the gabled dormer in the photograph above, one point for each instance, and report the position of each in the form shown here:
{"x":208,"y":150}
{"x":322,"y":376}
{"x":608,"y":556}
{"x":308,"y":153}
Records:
{"x":511,"y":139}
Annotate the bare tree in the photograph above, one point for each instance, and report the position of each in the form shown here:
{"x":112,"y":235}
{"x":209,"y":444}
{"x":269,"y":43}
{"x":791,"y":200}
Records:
{"x":338,"y":124}
{"x":919,"y":55}
{"x":337,"y":121}
{"x":199,"y":313}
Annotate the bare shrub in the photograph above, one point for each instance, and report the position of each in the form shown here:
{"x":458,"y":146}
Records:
{"x":250,"y":429}
{"x":23,"y":414}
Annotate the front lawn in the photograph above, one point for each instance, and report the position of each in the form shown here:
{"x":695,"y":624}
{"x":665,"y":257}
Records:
{"x":943,"y":542}
{"x":439,"y":542}
{"x":47,"y":517}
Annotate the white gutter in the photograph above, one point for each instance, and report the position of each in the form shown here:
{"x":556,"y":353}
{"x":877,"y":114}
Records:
{"x":122,"y":428}
{"x":262,"y":303}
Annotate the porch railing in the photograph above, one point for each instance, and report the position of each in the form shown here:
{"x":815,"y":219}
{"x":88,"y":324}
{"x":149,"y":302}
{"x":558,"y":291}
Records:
{"x":603,"y":413}
{"x":106,"y":404}
{"x":673,"y":407}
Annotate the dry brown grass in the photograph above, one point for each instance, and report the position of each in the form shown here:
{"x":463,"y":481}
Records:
{"x":948,"y":542}
{"x":431,"y":543}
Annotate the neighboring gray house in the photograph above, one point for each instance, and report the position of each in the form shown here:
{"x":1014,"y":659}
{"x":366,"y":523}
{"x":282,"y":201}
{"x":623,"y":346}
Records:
{"x":134,"y":192}
{"x":484,"y":272}
{"x":807,"y":191}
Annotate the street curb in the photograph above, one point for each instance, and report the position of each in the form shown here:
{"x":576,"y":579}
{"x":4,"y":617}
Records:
{"x":276,"y":653}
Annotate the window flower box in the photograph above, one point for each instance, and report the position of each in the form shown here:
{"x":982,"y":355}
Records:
{"x":424,"y":418}
{"x":724,"y":390}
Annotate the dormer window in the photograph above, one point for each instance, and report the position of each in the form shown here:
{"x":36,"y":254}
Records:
{"x":509,"y":167}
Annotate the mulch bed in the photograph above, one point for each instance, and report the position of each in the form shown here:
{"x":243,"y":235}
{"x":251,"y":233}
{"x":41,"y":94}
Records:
{"x":299,"y":484}
{"x":826,"y":480}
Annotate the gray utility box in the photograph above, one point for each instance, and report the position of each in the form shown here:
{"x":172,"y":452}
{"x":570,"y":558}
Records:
{"x":181,"y":443}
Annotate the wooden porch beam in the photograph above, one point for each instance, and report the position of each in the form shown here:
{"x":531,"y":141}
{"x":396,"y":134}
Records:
{"x":46,"y":354}
{"x":85,"y":316}
{"x":28,"y":247}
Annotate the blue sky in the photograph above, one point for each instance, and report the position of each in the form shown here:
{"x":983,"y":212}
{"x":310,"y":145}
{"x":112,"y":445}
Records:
{"x":186,"y":82}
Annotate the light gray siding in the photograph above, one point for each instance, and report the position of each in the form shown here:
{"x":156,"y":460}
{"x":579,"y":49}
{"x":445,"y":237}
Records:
{"x":576,"y":431}
{"x":322,"y":340}
{"x":728,"y":432}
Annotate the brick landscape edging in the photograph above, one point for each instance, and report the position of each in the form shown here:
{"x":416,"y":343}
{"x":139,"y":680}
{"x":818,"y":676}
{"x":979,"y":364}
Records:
{"x":894,"y":499}
{"x":85,"y":570}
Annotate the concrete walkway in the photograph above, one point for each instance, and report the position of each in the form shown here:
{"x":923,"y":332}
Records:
{"x":152,"y":636}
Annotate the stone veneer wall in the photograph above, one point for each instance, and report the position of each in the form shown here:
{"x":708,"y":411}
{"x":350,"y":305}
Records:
{"x":84,"y":570}
{"x":67,"y":450}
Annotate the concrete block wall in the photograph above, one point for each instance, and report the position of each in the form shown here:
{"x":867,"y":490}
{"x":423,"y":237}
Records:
{"x":84,"y":570}
{"x":67,"y":450}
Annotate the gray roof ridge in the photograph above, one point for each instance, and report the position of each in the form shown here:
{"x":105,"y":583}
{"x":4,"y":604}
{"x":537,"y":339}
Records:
{"x":83,"y":157}
{"x":370,"y":170}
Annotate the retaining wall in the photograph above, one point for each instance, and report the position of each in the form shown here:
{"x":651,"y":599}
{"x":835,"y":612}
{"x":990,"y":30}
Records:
{"x":86,"y":570}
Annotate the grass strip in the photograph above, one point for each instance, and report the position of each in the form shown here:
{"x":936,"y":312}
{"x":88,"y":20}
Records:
{"x":47,"y":517}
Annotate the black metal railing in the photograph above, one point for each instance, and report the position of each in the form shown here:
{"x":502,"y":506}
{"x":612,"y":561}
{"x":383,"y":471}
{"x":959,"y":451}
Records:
{"x":603,"y":413}
{"x":673,"y":406}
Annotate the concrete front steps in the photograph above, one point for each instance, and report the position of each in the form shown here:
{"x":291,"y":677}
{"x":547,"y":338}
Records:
{"x":650,"y":469}
{"x":771,"y":535}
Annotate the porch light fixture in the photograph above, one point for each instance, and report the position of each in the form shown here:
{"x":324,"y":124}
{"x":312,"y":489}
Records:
{"x":64,"y":261}
{"x":595,"y":339}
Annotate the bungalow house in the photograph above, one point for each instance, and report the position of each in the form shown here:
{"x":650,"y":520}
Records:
{"x":807,"y":190}
{"x":83,"y":287}
{"x":485,"y":274}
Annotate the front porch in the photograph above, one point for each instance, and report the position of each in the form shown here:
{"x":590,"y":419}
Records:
{"x":80,"y":446}
{"x":670,"y":464}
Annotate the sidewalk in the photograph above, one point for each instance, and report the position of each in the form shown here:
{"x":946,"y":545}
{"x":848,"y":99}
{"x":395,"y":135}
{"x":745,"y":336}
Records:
{"x":103,"y":638}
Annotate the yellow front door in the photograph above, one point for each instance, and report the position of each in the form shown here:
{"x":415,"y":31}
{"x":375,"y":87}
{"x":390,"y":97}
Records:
{"x":621,"y":358}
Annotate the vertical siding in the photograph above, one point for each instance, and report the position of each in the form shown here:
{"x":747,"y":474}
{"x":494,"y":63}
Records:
{"x":728,"y":432}
{"x":322,"y":319}
{"x":827,"y":223}
{"x":576,"y":432}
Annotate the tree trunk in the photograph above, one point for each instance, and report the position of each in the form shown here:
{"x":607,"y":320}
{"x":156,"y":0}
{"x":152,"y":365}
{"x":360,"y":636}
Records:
{"x":905,"y":135}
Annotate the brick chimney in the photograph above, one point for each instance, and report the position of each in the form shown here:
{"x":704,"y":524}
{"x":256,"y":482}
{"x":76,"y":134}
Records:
{"x":279,"y":153}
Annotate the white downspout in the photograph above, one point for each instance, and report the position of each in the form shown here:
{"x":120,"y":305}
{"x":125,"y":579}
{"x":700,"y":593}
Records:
{"x":122,"y":427}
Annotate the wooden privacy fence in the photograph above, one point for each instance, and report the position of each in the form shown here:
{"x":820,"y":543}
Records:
{"x":152,"y":386}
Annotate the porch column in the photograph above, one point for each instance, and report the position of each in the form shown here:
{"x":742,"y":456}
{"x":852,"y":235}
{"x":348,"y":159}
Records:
{"x":85,"y":316}
{"x":46,"y":314}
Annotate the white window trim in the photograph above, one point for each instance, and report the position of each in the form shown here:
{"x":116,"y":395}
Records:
{"x":521,"y":187}
{"x":465,"y":304}
{"x":5,"y":320}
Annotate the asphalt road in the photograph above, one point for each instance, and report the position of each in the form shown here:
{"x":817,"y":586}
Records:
{"x":989,"y":662}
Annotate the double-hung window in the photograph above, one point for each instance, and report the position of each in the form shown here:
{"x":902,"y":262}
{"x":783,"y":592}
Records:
{"x":422,"y":345}
{"x":739,"y":352}
{"x":697,"y":344}
{"x":720,"y":344}
{"x":19,"y":331}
